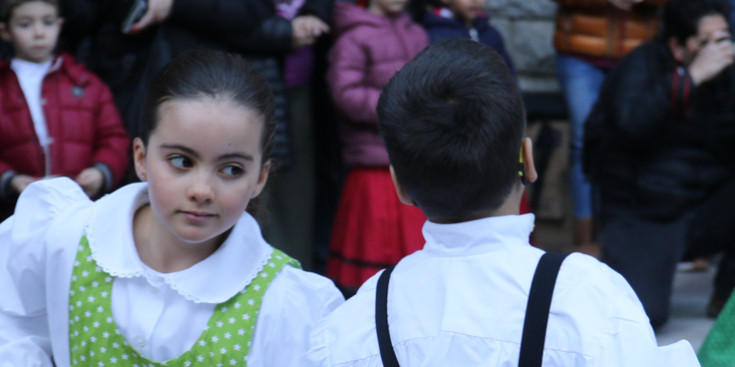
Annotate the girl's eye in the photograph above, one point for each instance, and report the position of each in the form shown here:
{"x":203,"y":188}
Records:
{"x":232,"y":171}
{"x":180,"y":162}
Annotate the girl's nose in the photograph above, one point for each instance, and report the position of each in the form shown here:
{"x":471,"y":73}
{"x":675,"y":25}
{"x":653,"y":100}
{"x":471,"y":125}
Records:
{"x":201,"y":190}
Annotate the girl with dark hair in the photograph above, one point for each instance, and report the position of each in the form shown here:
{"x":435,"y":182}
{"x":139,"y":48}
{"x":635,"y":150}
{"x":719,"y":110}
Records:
{"x":173,"y":270}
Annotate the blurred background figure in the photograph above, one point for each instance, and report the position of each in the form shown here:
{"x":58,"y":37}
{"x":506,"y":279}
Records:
{"x":659,"y":145}
{"x":372,"y":228}
{"x":56,"y":118}
{"x":591,"y":37}
{"x":463,"y":19}
{"x":282,"y":49}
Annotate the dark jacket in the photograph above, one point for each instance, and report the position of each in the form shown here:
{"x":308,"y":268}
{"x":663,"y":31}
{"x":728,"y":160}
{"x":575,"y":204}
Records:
{"x":81,"y":118}
{"x":654,"y":141}
{"x":127,"y":63}
{"x":440,"y":25}
{"x":265,"y":49}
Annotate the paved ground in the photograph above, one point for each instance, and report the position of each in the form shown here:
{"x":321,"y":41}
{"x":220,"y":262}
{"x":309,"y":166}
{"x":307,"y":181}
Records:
{"x":688,"y":321}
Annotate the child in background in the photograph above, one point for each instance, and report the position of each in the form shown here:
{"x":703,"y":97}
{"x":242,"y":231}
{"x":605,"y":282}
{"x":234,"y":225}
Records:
{"x":372,"y":228}
{"x":171,"y":270}
{"x":453,"y":124}
{"x":282,"y":51}
{"x":56,"y":118}
{"x":464,"y":19}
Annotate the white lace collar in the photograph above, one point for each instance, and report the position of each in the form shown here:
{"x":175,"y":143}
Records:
{"x":213,"y":280}
{"x":478,"y":236}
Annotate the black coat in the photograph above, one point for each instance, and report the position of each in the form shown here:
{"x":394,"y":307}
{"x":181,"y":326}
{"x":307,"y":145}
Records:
{"x":655,"y":142}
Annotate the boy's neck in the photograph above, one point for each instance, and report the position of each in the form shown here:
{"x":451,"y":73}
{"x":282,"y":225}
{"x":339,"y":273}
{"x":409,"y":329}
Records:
{"x":511,"y":206}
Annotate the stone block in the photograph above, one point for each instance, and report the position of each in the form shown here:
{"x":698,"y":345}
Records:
{"x":531,"y":46}
{"x":523,"y":9}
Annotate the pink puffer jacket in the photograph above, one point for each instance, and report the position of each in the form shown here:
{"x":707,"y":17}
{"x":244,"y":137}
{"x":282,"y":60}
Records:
{"x":369,"y":49}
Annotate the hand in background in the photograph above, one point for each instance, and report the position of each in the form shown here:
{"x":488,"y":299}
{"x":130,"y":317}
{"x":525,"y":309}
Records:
{"x":158,"y":11}
{"x":19,"y":182}
{"x":712,"y":59}
{"x":306,"y":29}
{"x":91,"y":180}
{"x":625,"y":4}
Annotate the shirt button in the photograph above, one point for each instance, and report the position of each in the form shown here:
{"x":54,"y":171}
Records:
{"x":140,"y":341}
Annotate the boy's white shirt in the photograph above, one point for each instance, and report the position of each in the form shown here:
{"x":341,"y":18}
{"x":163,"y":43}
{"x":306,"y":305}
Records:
{"x":30,"y":76}
{"x":461,"y":301}
{"x":161,"y":315}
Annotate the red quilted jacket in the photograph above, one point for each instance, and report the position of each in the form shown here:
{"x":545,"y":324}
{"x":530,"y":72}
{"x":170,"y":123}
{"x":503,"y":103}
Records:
{"x":81,"y":118}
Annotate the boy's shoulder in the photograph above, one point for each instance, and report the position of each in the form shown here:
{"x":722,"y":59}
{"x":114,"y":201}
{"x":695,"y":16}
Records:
{"x":589,"y":302}
{"x":583,"y":284}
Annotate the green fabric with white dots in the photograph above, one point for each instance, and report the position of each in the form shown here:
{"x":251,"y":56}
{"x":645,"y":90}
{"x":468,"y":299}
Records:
{"x":94,"y":339}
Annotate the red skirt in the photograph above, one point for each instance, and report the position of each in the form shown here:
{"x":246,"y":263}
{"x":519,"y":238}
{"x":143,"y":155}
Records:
{"x":372,"y":229}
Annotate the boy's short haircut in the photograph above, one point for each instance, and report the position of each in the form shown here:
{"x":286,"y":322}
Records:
{"x":681,"y":17}
{"x":453,"y":121}
{"x":7,"y":7}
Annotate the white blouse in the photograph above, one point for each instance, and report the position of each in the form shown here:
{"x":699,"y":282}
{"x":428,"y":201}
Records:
{"x":461,"y":301}
{"x":161,"y":315}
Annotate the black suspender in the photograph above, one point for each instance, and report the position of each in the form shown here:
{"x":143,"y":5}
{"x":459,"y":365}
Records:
{"x":534,"y":326}
{"x":537,"y":311}
{"x":381,"y":320}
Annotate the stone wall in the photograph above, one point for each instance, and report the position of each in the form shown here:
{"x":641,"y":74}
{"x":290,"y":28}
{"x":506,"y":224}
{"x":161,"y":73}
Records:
{"x":528,"y":28}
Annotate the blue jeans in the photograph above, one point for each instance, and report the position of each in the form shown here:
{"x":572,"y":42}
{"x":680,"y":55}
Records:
{"x":580,"y":82}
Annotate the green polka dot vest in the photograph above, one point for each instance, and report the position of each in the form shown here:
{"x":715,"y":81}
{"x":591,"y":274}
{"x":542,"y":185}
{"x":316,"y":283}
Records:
{"x":94,"y":339}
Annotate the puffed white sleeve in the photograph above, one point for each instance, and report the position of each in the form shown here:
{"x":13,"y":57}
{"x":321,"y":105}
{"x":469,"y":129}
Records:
{"x":24,"y":331}
{"x":292,"y":306}
{"x":629,"y":339}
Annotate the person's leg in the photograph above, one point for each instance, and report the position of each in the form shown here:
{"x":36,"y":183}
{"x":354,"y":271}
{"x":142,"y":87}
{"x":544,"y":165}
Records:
{"x":580,"y":82}
{"x":645,"y":253}
{"x":711,"y":231}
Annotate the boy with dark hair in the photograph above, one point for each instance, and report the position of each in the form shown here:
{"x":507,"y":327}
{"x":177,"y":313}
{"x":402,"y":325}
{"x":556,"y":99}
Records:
{"x":56,"y":118}
{"x":659,"y":147}
{"x":453,"y":123}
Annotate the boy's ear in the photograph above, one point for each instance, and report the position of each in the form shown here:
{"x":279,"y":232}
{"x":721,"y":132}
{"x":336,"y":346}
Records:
{"x":399,"y":189}
{"x":529,"y":168}
{"x":4,"y":32}
{"x":139,"y":158}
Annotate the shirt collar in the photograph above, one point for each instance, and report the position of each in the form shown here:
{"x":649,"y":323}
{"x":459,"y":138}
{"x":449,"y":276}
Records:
{"x":237,"y":261}
{"x":478,"y":236}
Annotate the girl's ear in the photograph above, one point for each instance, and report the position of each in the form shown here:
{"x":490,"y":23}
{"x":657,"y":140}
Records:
{"x":262,"y":178}
{"x":139,"y":158}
